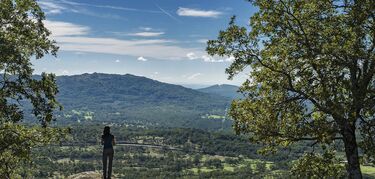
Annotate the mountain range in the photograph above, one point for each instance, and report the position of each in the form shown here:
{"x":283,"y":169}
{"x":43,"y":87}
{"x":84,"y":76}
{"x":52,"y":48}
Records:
{"x":224,"y":90}
{"x":133,"y":99}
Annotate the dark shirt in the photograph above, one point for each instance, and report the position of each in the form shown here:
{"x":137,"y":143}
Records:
{"x":108,"y":141}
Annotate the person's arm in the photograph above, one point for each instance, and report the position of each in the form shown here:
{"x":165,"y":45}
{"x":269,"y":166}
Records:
{"x":113,"y":141}
{"x":102,"y":141}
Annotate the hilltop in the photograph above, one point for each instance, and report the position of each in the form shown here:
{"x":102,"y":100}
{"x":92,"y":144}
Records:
{"x":129,"y":98}
{"x":224,"y":90}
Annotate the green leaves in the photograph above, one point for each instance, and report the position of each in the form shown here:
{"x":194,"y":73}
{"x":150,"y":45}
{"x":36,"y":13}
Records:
{"x":311,"y":77}
{"x":18,"y":140}
{"x":231,"y":43}
{"x":312,"y":165}
{"x":23,"y":36}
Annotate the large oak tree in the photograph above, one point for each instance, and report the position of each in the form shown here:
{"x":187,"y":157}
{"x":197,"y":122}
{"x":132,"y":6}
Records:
{"x":311,"y":75}
{"x":22,"y":37}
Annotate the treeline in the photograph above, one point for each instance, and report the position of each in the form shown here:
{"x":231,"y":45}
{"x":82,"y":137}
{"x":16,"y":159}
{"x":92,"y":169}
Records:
{"x":200,"y":154}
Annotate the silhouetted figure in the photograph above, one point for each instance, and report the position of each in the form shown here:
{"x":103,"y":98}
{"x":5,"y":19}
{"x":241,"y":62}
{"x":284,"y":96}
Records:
{"x":108,"y":141}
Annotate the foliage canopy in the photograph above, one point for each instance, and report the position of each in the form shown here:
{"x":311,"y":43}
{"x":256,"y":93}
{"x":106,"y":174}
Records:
{"x":22,"y":37}
{"x":312,"y":66}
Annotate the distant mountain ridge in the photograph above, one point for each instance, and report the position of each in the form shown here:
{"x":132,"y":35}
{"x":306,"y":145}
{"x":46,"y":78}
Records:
{"x":224,"y":90}
{"x":127,"y":88}
{"x":118,"y":98}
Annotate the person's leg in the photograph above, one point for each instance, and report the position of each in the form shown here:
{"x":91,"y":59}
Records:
{"x":105,"y":156}
{"x":110,"y":156}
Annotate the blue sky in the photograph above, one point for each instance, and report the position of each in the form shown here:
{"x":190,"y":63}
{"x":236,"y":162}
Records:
{"x":160,"y":39}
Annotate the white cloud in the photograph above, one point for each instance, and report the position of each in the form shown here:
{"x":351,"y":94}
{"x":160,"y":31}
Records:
{"x":198,"y":12}
{"x":207,"y":58}
{"x":193,"y":76}
{"x":142,"y":59}
{"x":60,"y":29}
{"x":155,"y":74}
{"x":65,"y":72}
{"x":144,"y":33}
{"x":79,"y":53}
{"x":73,"y":37}
{"x":51,"y":8}
{"x":157,"y":48}
{"x":109,"y":41}
{"x":191,"y":56}
{"x":108,"y":7}
{"x":230,"y":59}
{"x":145,"y":28}
{"x":216,"y":59}
{"x":147,"y":34}
{"x":117,"y":61}
{"x":202,"y":41}
{"x":63,"y":6}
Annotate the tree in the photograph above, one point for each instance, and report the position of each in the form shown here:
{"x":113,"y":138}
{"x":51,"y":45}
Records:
{"x":22,"y":37}
{"x":261,"y":167}
{"x":311,"y":74}
{"x":313,"y":165}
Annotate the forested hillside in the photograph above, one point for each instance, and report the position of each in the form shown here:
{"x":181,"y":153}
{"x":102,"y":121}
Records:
{"x":129,"y":98}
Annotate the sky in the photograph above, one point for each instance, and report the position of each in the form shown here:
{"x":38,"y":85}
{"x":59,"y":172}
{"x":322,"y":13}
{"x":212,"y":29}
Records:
{"x":160,"y":39}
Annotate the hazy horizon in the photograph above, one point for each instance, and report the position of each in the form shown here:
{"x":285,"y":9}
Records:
{"x":187,"y":85}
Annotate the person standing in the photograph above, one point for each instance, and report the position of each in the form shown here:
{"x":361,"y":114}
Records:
{"x":108,"y":141}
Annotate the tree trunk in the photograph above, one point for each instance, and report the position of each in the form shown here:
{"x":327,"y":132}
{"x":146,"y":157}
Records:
{"x":351,"y":150}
